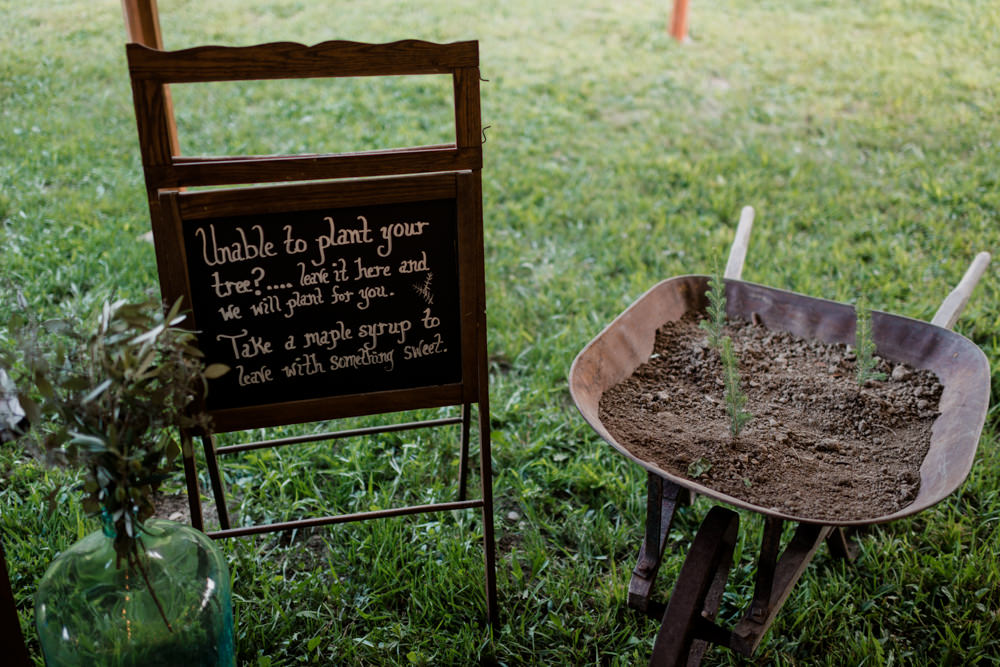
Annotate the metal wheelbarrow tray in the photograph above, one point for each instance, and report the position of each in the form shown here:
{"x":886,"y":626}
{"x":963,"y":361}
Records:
{"x":627,"y":342}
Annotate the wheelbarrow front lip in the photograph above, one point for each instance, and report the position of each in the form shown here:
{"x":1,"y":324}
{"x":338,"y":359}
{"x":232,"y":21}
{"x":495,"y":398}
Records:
{"x":960,"y":365}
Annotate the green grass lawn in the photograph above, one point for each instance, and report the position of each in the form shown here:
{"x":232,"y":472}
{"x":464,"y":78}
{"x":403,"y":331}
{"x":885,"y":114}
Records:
{"x":866,"y":135}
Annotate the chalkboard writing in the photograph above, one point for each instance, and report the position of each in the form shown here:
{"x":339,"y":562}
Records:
{"x":326,"y":302}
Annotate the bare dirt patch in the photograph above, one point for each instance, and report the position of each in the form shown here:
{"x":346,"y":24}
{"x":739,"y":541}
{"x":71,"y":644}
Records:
{"x":175,"y":507}
{"x":818,"y":446}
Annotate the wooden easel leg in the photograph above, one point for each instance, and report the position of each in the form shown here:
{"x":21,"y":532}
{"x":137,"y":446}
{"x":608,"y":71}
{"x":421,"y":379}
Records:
{"x":489,"y":541}
{"x":463,"y":457}
{"x":218,"y":490}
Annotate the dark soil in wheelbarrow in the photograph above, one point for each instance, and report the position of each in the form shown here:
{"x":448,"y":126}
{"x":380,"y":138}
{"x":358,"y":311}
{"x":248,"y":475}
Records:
{"x":817,"y":447}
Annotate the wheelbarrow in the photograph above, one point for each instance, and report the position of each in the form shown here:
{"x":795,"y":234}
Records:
{"x":688,"y":624}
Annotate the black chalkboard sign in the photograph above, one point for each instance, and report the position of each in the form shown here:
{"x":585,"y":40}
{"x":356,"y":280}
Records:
{"x":327,"y":302}
{"x":304,"y":297}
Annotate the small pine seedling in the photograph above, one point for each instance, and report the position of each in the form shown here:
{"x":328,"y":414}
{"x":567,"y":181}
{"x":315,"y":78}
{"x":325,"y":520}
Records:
{"x":736,"y":400}
{"x":864,"y":345}
{"x":716,"y":310}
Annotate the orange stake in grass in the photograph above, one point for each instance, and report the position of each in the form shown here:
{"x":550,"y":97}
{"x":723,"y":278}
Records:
{"x":679,"y":20}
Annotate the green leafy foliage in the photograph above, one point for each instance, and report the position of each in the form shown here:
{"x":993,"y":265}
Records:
{"x":111,"y":401}
{"x":698,"y":467}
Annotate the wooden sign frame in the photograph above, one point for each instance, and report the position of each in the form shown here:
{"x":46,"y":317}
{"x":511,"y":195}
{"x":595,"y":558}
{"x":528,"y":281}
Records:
{"x":185,"y":210}
{"x":423,"y":173}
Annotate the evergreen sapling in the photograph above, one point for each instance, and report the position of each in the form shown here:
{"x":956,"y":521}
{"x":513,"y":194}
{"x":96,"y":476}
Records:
{"x":864,"y":345}
{"x":736,"y":400}
{"x":716,"y":310}
{"x":734,"y":397}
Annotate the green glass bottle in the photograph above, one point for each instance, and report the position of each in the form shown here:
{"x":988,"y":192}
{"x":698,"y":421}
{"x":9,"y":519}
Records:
{"x":173,"y":606}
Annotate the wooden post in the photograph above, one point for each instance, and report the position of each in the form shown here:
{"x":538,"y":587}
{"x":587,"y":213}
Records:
{"x":142,"y":23}
{"x":679,"y":20}
{"x":142,"y":26}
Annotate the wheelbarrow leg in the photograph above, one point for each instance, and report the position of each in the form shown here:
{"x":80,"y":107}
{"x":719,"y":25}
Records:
{"x":688,"y":626}
{"x":841,"y":545}
{"x":662,"y":500}
{"x":775,"y":579}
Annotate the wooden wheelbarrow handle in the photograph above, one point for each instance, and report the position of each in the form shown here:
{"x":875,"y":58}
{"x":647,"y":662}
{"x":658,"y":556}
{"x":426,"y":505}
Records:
{"x":953,"y":305}
{"x":738,"y":251}
{"x":946,"y":316}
